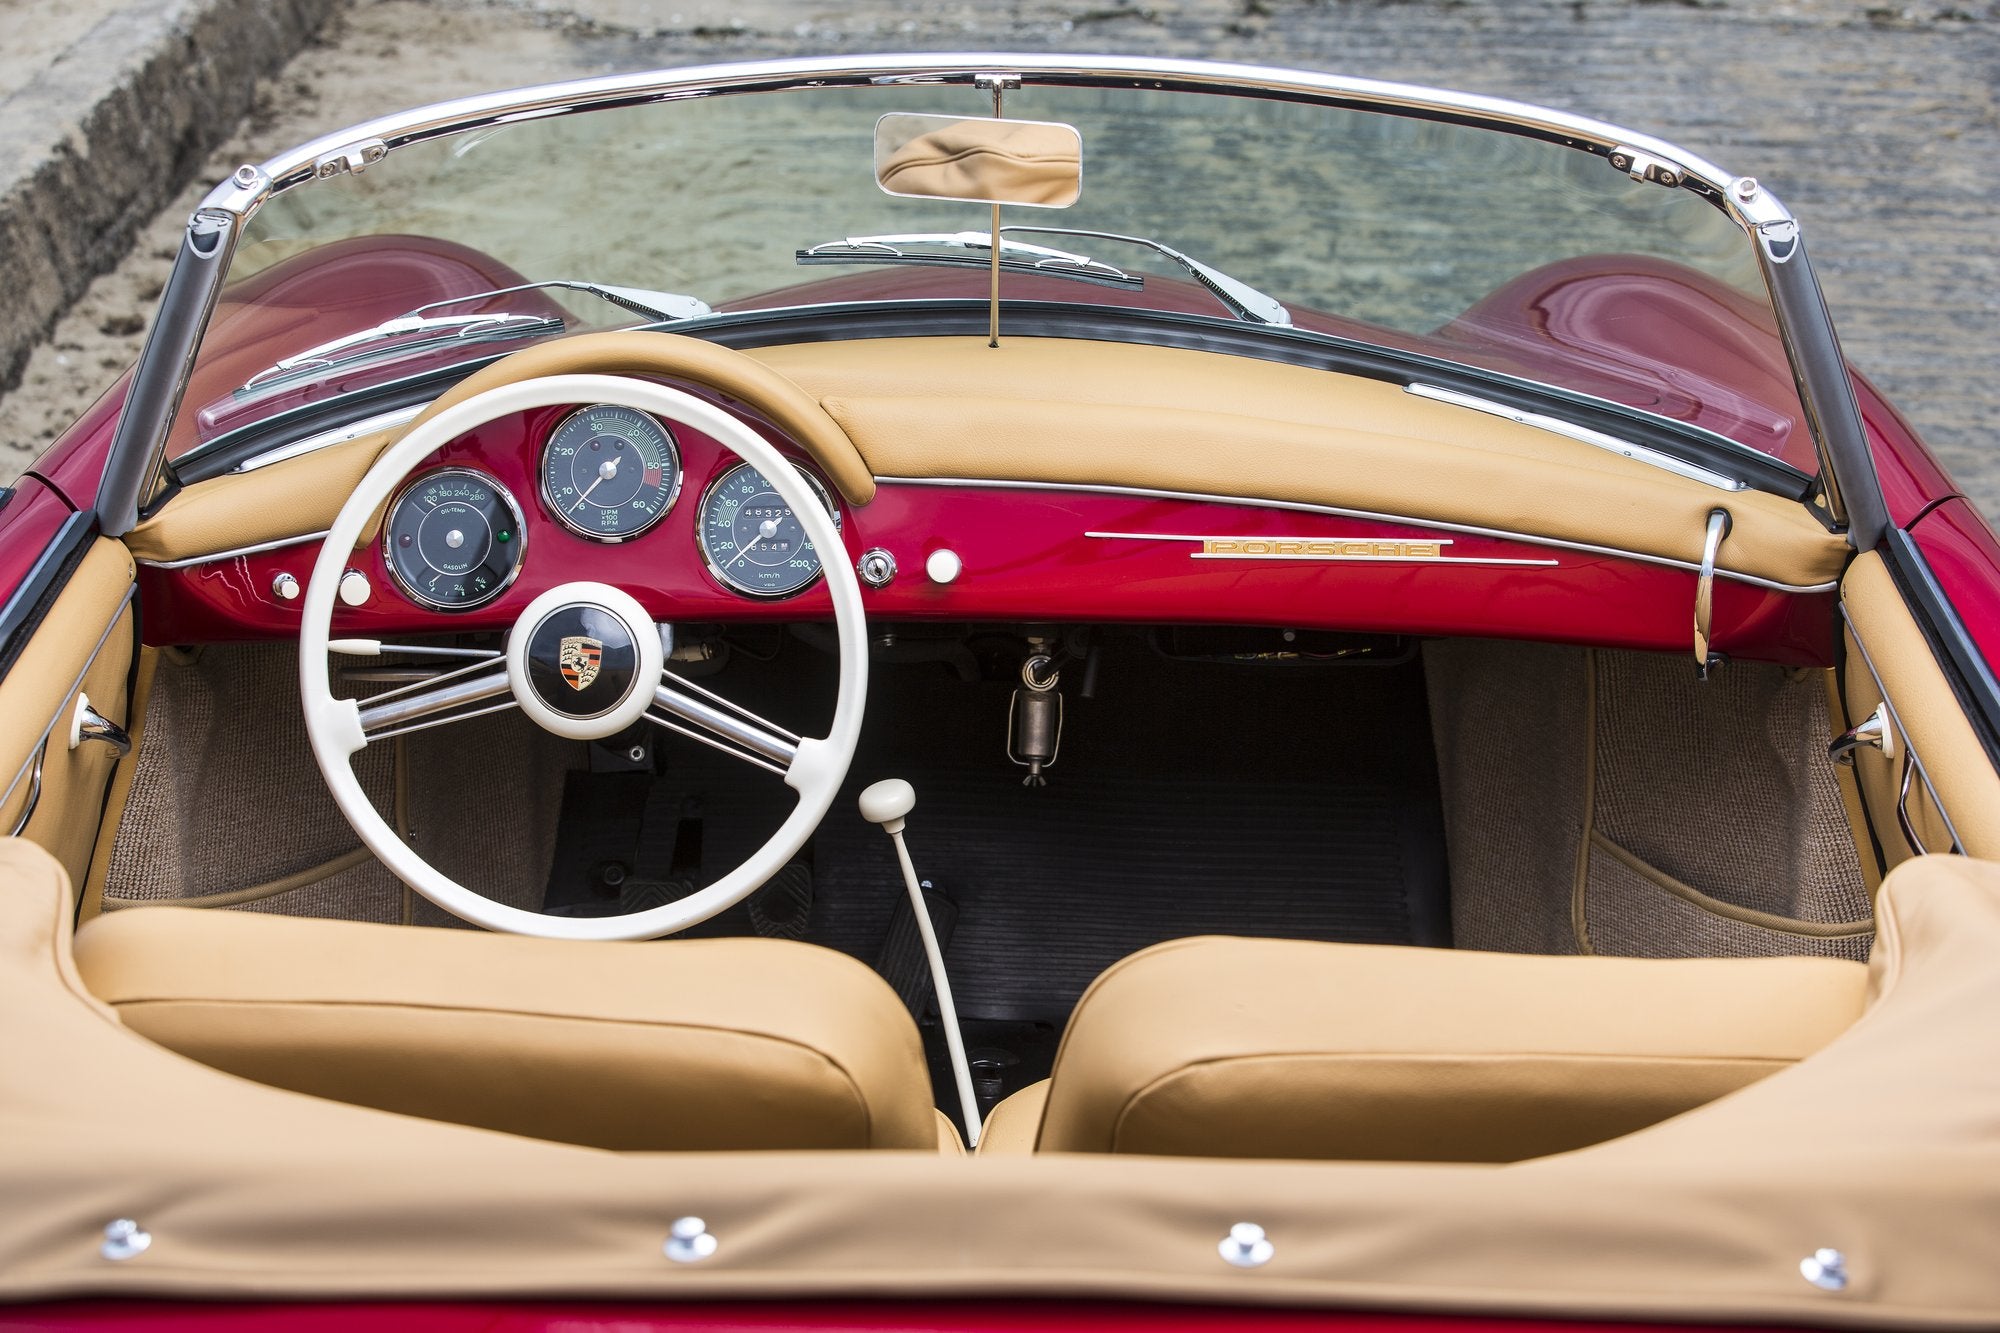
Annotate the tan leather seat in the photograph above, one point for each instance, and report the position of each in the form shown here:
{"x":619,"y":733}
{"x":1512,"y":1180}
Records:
{"x":1274,"y":1048}
{"x":680,"y":1044}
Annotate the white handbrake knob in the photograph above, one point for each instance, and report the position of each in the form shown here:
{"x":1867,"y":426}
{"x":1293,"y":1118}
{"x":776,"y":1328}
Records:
{"x":886,"y":802}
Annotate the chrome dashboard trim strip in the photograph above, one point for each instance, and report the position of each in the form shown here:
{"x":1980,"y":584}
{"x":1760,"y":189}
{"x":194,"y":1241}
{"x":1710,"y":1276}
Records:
{"x":1301,"y":507}
{"x":1313,"y":557}
{"x":34,"y":759}
{"x":327,"y":438}
{"x":219,"y":556}
{"x":1903,"y":737}
{"x":1638,"y":453}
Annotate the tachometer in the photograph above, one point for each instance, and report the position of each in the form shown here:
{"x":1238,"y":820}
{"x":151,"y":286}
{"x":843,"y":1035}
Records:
{"x":752,"y":540}
{"x":610,"y":473}
{"x":453,"y":539}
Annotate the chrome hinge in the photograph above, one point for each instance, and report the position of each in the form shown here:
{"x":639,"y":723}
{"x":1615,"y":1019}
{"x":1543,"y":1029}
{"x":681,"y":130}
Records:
{"x":1780,"y":239}
{"x":354,"y":157}
{"x":1645,"y":167}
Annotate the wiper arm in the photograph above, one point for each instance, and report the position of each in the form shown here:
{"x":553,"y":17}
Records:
{"x":662,"y":307}
{"x":1243,"y":300}
{"x":1025,"y":258}
{"x":472,"y":328}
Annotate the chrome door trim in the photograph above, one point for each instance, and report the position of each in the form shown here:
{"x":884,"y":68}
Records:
{"x":1912,"y":760}
{"x":63,"y":709}
{"x":1334,"y":511}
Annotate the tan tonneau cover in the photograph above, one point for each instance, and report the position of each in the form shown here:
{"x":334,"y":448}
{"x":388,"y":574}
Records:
{"x":1886,"y":1146}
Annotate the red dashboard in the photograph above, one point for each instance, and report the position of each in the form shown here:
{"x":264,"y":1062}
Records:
{"x":1042,"y":554}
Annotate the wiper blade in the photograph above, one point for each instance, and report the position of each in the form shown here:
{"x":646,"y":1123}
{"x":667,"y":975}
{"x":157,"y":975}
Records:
{"x":438,"y":330}
{"x":1243,"y":300}
{"x":660,"y":306}
{"x":442,"y":328}
{"x":1015,"y":256}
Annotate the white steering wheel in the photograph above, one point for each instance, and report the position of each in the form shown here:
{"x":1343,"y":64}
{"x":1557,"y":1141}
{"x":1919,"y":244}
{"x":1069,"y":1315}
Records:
{"x":629,"y":667}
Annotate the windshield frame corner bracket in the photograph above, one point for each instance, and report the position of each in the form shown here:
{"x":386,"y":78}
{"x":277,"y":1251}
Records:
{"x":349,"y":159}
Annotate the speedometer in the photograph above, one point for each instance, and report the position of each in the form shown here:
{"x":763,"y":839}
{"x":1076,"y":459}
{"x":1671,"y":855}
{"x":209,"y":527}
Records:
{"x":752,"y":540}
{"x":610,"y":473}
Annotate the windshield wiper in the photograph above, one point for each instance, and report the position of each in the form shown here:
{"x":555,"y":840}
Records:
{"x":660,"y":306}
{"x":437,"y":330}
{"x":1025,"y":258}
{"x":1243,"y":300}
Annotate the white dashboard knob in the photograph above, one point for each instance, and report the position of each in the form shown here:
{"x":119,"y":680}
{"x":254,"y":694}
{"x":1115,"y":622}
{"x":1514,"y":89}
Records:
{"x":943,"y":565}
{"x":285,"y":588}
{"x":355,"y":588}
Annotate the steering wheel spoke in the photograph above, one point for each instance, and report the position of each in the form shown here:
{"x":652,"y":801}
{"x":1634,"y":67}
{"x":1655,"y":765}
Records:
{"x":449,"y":696}
{"x":701,"y":714}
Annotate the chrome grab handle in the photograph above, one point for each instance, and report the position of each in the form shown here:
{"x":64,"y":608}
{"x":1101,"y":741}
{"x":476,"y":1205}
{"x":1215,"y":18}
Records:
{"x":90,"y":725}
{"x":1871,"y":730}
{"x":1704,"y":593}
{"x":1903,"y":820}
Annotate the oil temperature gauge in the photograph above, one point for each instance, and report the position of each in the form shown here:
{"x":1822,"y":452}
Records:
{"x":753,"y":542}
{"x":453,"y":540}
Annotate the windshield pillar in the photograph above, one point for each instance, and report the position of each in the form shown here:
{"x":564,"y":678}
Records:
{"x":1847,"y":465}
{"x":135,"y":473}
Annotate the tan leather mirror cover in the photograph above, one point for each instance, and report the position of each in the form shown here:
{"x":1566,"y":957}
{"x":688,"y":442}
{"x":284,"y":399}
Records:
{"x":976,"y":160}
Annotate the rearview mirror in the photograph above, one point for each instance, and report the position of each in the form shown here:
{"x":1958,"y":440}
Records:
{"x":975,"y":160}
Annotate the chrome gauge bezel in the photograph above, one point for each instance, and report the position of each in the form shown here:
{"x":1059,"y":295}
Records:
{"x":389,"y":535}
{"x":813,"y":483}
{"x":554,"y":511}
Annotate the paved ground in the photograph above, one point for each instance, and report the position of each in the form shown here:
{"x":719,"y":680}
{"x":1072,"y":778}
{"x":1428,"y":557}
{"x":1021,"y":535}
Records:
{"x":1876,"y":123}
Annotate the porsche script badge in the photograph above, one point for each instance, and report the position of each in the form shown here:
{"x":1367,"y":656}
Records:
{"x":579,"y":658}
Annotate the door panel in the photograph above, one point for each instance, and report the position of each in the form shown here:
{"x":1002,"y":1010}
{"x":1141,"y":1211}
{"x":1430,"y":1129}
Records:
{"x":1952,"y":793}
{"x":81,"y":643}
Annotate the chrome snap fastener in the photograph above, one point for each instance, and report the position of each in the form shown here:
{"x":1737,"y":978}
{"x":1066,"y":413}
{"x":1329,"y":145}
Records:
{"x":1246,"y":1246}
{"x":1825,"y":1269}
{"x":125,"y":1239}
{"x":689,"y":1241}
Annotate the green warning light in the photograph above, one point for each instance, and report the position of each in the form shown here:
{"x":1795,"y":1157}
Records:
{"x":505,"y":535}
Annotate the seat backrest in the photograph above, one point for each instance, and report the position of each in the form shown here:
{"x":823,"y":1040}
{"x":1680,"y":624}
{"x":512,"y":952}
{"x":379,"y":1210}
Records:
{"x":1284,"y":1049}
{"x":665,"y":1045}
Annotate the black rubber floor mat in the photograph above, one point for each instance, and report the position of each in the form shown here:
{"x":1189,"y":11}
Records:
{"x":1188,"y":799}
{"x":1055,"y":885}
{"x":903,"y":962}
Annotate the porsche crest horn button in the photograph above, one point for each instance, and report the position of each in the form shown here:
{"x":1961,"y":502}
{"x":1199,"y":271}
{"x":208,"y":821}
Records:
{"x":580,"y":657}
{"x":582,"y":660}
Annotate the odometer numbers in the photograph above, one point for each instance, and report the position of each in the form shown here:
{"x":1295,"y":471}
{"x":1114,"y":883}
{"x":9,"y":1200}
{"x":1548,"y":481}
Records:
{"x":609,"y":473}
{"x":453,"y":539}
{"x":754,"y":544}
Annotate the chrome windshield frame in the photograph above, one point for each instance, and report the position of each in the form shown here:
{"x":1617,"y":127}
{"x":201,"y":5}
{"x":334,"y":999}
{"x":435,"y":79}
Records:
{"x":136,"y":475}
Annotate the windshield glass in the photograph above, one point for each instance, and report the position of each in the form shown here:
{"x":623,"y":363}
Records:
{"x":1483,"y":248}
